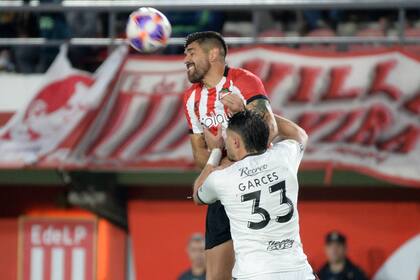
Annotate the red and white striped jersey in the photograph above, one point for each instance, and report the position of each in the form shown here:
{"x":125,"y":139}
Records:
{"x":203,"y":106}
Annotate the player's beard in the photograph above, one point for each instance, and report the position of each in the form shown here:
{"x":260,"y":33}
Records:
{"x":197,"y":75}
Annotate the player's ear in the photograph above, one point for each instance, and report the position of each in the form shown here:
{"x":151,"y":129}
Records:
{"x":237,"y":142}
{"x":213,"y":54}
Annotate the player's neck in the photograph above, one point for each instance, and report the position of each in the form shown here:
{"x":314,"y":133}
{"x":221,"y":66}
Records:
{"x":243,"y":154}
{"x":214,"y":75}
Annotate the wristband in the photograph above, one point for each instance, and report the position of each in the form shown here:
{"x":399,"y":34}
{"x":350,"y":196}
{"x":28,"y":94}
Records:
{"x":215,"y":156}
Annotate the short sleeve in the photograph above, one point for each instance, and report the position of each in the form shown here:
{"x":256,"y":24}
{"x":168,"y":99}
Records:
{"x":250,"y":86}
{"x":207,"y":193}
{"x":193,"y":122}
{"x":293,"y":150}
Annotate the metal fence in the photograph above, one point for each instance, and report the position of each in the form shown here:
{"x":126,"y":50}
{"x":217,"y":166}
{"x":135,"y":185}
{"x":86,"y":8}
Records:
{"x":113,"y":7}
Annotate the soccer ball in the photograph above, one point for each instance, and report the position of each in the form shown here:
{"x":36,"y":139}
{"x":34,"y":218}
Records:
{"x":148,"y":29}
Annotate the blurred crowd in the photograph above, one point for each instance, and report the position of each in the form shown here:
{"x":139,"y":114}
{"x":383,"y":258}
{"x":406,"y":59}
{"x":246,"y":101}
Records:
{"x":91,"y":24}
{"x":50,"y":26}
{"x":337,"y":267}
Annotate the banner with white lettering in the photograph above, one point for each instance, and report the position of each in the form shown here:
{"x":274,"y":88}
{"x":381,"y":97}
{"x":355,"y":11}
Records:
{"x":53,"y":248}
{"x":361,"y":110}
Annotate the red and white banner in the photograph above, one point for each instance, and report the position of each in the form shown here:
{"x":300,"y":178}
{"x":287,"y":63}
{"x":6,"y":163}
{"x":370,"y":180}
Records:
{"x":362,"y":112}
{"x":59,"y":113}
{"x":57,"y":249}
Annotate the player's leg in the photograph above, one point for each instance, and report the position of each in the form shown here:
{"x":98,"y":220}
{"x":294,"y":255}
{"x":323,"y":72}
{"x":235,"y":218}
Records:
{"x":220,"y":256}
{"x":220,"y":261}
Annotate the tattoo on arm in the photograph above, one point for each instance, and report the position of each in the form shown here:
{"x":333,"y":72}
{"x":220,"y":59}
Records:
{"x":263,"y":108}
{"x":259,"y":106}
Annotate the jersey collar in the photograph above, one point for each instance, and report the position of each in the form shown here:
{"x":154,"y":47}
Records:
{"x":254,"y":154}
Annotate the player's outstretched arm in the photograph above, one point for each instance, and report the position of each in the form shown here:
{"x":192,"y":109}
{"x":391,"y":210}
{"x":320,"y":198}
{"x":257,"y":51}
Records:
{"x":290,"y":130}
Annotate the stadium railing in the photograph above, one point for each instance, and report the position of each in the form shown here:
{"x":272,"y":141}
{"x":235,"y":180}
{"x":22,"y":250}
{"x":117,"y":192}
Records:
{"x":113,"y":7}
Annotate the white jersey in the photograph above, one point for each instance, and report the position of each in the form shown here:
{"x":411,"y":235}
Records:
{"x":260,"y":195}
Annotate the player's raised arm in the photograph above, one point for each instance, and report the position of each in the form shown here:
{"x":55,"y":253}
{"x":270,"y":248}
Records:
{"x":290,"y":130}
{"x":254,"y":98}
{"x":263,"y":108}
{"x":259,"y":105}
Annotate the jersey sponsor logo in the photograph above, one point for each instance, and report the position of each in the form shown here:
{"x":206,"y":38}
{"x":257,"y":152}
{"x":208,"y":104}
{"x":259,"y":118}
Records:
{"x":214,"y":120}
{"x":279,"y":245}
{"x":246,"y":172}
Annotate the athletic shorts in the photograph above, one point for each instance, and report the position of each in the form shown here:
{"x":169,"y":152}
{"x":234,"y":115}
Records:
{"x":217,"y":225}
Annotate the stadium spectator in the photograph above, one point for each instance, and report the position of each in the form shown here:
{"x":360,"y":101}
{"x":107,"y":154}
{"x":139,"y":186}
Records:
{"x":318,"y":19}
{"x":84,"y":24}
{"x":339,"y":266}
{"x":27,"y":57}
{"x":7,"y":30}
{"x":195,"y":250}
{"x":6,"y":64}
{"x":184,"y":23}
{"x":52,"y":26}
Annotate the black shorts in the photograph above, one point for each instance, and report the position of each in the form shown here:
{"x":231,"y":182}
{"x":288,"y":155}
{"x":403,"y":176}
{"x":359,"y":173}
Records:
{"x":217,"y":225}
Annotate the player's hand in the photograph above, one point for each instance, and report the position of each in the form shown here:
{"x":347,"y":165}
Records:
{"x":214,"y":141}
{"x":233,"y":103}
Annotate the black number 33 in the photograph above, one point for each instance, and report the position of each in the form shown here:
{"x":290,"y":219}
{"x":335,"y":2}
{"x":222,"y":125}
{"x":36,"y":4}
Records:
{"x":256,"y":209}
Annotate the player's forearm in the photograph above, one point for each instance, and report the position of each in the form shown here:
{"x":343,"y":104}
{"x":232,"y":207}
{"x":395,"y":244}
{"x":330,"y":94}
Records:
{"x":212,"y":162}
{"x":199,"y":149}
{"x":200,"y":180}
{"x":272,"y":125}
{"x":263,"y":108}
{"x":200,"y":157}
{"x":289,"y":130}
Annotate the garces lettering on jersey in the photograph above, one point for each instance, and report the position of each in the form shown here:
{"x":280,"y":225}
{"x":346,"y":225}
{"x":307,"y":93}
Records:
{"x":279,"y":245}
{"x":214,"y":120}
{"x":267,"y":179}
{"x":246,"y":172}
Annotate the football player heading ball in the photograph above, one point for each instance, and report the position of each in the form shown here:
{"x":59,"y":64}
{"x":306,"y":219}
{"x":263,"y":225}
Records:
{"x":215,"y":91}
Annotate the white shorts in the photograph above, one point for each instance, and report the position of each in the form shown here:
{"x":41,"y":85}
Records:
{"x":304,"y":274}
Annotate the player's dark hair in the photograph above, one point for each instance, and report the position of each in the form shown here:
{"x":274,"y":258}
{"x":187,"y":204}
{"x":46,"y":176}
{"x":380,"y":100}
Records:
{"x":252,"y":128}
{"x":204,"y":37}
